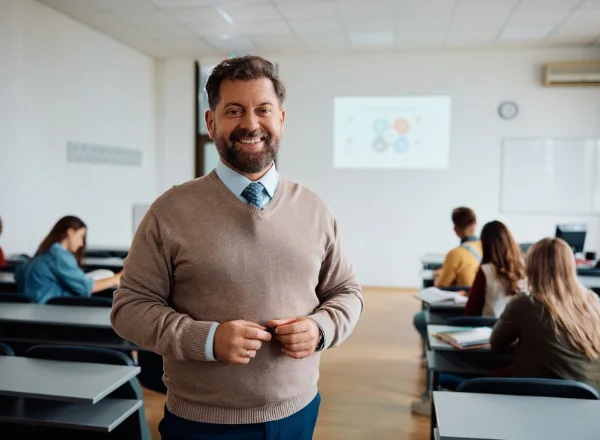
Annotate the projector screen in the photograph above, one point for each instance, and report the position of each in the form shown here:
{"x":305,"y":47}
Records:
{"x":391,"y":132}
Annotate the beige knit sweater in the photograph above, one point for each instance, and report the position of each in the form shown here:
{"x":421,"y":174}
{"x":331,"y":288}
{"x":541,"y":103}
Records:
{"x":202,"y":256}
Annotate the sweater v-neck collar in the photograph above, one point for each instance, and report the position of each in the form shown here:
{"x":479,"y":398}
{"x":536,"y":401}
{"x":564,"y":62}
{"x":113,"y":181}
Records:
{"x":232,"y":198}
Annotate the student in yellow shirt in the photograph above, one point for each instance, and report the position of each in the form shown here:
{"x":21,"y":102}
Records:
{"x":459,"y":269}
{"x":462,"y":262}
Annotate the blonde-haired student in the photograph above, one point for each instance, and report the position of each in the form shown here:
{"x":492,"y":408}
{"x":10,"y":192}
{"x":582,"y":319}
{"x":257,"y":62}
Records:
{"x":557,"y":327}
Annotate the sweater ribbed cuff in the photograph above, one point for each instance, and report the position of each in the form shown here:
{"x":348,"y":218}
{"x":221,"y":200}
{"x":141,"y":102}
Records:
{"x":324,"y":321}
{"x":193,"y":340}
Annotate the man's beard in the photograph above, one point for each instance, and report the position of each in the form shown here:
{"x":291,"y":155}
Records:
{"x":247,"y":161}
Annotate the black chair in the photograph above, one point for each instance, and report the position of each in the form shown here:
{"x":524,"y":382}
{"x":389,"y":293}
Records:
{"x":568,"y":389}
{"x":5,"y":350}
{"x":152,"y":371}
{"x":80,"y":301}
{"x":14,"y":298}
{"x":473,"y":321}
{"x":134,"y":428}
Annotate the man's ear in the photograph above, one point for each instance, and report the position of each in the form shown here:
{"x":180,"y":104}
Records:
{"x":282,"y":118}
{"x":209,"y":118}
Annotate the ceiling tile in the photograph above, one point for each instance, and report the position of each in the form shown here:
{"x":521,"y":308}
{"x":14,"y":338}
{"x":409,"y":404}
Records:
{"x":361,"y":8}
{"x":371,"y":40}
{"x":590,"y":4}
{"x":149,"y":18}
{"x":117,"y":5}
{"x":274,"y":40}
{"x":546,"y":6}
{"x":417,"y":8}
{"x":537,"y":19}
{"x":489,"y":10}
{"x":429,"y":25}
{"x":379,"y":24}
{"x":196,"y":15}
{"x":261,"y":12}
{"x":314,"y":26}
{"x":182,"y":3}
{"x":218,"y":29}
{"x":326,"y":43}
{"x":305,"y":10}
{"x":240,"y":45}
{"x":264,"y":27}
{"x":415,"y":41}
{"x":525,"y":34}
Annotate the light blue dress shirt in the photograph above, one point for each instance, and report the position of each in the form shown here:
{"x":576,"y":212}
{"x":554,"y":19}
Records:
{"x":236,"y":183}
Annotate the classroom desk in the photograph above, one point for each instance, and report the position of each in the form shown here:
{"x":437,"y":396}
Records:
{"x":114,"y":264}
{"x":94,"y":317}
{"x":436,"y":345}
{"x":68,"y":325}
{"x":432,"y":261}
{"x":467,"y":416}
{"x":106,"y":252}
{"x":7,"y":282}
{"x":77,"y":382}
{"x":104,"y":416}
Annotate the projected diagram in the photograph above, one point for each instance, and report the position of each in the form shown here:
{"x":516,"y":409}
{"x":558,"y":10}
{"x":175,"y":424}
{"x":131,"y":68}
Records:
{"x":410,"y":132}
{"x":395,"y":135}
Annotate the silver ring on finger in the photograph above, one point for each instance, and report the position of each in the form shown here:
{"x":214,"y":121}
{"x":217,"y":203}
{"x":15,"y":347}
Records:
{"x":247,"y":353}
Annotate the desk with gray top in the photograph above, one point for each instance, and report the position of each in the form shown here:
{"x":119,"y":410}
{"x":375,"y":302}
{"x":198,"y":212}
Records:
{"x":467,"y":416}
{"x":54,"y":324}
{"x":77,"y":382}
{"x":64,"y":394}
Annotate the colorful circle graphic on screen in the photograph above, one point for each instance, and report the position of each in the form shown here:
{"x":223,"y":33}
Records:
{"x":402,"y":126}
{"x":379,"y":144}
{"x":401,"y":145}
{"x":380,"y":125}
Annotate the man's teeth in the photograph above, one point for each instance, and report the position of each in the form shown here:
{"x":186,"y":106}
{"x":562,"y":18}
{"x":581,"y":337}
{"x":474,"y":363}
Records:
{"x":250,"y":141}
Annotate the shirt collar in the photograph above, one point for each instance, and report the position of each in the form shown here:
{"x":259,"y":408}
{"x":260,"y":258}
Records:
{"x":236,"y":183}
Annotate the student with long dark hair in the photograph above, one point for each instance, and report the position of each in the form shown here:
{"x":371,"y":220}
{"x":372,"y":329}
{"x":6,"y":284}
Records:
{"x":501,"y":274}
{"x":55,"y":270}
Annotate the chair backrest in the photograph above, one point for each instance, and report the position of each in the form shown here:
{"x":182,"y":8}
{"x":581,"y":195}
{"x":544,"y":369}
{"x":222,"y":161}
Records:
{"x":80,"y":301}
{"x":473,"y":321}
{"x":14,"y":298}
{"x":135,"y":427}
{"x":5,"y":350}
{"x":569,"y":389}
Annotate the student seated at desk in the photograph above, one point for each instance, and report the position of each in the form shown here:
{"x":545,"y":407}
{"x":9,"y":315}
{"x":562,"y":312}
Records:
{"x":501,"y":274}
{"x":557,"y":327}
{"x":55,"y":270}
{"x":459,"y":269}
{"x":2,"y":259}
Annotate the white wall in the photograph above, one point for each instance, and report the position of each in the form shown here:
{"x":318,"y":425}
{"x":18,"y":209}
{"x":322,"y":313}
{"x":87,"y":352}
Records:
{"x":406,"y":213}
{"x":61,"y":81}
{"x":175,"y":124}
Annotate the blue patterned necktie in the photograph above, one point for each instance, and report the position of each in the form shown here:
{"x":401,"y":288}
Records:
{"x":253,"y":193}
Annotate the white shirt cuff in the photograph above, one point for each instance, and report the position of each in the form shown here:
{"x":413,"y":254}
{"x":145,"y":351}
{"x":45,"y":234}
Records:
{"x":210,"y":339}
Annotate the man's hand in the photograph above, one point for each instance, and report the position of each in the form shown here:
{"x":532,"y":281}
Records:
{"x":236,"y":342}
{"x":299,"y":336}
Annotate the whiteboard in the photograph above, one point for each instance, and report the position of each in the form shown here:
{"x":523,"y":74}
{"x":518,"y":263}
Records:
{"x":550,"y":176}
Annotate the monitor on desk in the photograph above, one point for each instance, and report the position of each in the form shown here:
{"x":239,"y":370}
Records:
{"x":573,"y":234}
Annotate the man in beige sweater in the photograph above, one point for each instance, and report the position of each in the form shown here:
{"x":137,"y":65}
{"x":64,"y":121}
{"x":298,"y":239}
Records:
{"x":238,"y":278}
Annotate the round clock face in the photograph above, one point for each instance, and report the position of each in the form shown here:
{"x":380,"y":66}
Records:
{"x":508,"y":110}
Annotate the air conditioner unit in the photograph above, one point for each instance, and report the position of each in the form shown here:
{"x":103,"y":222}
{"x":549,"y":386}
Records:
{"x":579,"y":73}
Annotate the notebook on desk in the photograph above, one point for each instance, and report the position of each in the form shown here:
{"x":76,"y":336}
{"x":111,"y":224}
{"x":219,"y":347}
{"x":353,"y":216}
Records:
{"x":433,"y":295}
{"x":465,"y":339}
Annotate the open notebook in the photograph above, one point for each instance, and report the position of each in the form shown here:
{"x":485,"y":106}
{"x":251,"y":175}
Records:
{"x":100,"y":274}
{"x":432,"y":295}
{"x":463,"y":339}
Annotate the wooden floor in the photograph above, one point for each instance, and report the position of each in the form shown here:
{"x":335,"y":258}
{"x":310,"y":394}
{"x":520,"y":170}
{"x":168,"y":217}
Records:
{"x":368,"y":383}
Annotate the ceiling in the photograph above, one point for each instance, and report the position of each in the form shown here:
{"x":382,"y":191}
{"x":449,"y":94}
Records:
{"x":195,"y":28}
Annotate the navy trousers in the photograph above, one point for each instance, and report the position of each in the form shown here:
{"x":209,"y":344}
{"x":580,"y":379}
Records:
{"x":299,"y":426}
